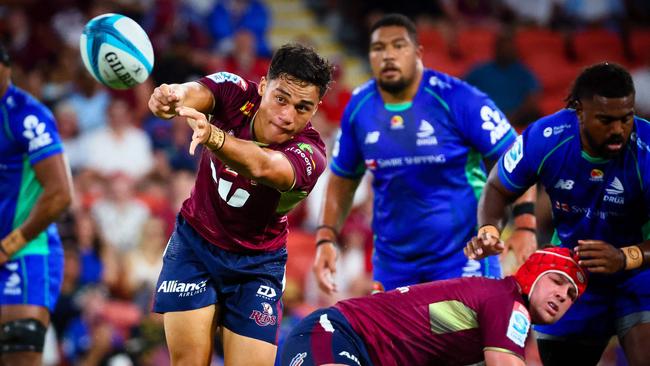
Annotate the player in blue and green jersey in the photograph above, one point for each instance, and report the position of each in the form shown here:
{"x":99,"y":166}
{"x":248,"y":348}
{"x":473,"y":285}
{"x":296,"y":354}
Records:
{"x":593,"y":158}
{"x":424,"y":135}
{"x":35,"y":188}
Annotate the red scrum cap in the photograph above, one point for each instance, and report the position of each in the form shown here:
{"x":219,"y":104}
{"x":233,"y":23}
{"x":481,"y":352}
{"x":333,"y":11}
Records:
{"x":556,"y":260}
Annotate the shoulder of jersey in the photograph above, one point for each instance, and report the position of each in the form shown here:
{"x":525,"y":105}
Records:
{"x":22,"y":103}
{"x":554,"y":127}
{"x":228,"y":77}
{"x":642,"y":136}
{"x":363,"y":89}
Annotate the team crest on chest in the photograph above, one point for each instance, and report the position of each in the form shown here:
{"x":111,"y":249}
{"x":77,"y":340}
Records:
{"x":396,"y":122}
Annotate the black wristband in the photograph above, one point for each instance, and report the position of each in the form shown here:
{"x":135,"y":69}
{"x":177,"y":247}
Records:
{"x":328,"y":227}
{"x":523,"y":208}
{"x":527,"y":229}
{"x":323,"y":241}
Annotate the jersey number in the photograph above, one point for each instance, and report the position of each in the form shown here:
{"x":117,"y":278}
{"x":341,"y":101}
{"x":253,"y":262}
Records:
{"x":238,"y":199}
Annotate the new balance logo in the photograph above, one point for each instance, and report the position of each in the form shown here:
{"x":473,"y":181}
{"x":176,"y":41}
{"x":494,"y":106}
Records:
{"x":615,"y":187}
{"x":372,"y":137}
{"x":564,"y":184}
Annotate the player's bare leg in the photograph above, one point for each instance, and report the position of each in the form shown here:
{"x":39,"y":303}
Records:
{"x":239,"y":350}
{"x":9,"y":313}
{"x":190,"y":335}
{"x":635,"y":344}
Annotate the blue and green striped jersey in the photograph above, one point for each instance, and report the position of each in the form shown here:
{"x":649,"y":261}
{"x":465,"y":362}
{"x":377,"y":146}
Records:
{"x":28,"y":135}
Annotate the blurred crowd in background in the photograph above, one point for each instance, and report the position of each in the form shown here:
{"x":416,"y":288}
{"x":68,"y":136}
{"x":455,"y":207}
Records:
{"x":132,"y":171}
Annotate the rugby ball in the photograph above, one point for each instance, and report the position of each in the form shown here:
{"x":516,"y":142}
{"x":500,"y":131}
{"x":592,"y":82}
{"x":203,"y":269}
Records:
{"x":116,"y":51}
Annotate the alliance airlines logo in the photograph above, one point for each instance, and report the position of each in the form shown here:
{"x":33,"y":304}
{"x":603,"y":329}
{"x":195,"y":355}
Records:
{"x":183,"y":289}
{"x":614,"y":192}
{"x":425,"y":134}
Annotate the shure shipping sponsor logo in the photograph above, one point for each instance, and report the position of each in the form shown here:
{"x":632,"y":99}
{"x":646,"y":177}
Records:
{"x":587,"y":212}
{"x":183,"y":289}
{"x":408,"y":160}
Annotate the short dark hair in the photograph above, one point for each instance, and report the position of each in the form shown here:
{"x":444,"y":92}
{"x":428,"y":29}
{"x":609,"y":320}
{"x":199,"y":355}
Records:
{"x":303,"y":64}
{"x":605,"y":79}
{"x":399,"y":20}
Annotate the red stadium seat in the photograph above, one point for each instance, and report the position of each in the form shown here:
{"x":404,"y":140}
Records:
{"x":538,"y":42}
{"x":597,"y":45}
{"x":477,"y":44}
{"x":554,"y":72}
{"x":640,"y":43}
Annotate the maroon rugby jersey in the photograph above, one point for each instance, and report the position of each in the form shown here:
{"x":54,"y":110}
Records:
{"x":231,"y":211}
{"x":447,"y":322}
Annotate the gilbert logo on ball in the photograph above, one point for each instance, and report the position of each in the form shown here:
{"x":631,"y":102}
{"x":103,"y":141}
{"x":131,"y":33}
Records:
{"x":116,"y":51}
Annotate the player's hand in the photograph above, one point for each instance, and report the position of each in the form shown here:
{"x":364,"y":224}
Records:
{"x":598,"y":256}
{"x":199,"y":124}
{"x":483,"y":245}
{"x":325,"y":267}
{"x":523,"y":243}
{"x":166,"y":99}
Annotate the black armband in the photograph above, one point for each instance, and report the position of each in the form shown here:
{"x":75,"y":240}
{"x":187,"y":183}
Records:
{"x":523,"y":208}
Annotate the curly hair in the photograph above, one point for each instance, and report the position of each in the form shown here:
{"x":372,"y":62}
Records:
{"x":605,"y":79}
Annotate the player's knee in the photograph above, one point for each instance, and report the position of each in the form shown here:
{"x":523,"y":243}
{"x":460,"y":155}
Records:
{"x":22,"y":335}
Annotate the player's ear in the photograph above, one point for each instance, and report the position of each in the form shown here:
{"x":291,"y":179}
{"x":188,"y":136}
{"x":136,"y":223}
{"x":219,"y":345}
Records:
{"x":579,"y":110}
{"x":262,"y":86}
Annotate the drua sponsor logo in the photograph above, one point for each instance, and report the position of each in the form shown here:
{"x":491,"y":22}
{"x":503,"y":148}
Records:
{"x":425,"y":134}
{"x":183,"y":289}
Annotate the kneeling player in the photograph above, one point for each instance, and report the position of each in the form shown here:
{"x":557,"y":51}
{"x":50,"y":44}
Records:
{"x":453,"y":322}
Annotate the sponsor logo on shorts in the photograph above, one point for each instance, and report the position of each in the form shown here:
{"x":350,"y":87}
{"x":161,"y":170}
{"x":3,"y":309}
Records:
{"x":519,"y":324}
{"x":298,"y":359}
{"x":12,"y":286}
{"x":181,"y":288}
{"x":264,"y":317}
{"x":266,"y":292}
{"x":349,"y":356}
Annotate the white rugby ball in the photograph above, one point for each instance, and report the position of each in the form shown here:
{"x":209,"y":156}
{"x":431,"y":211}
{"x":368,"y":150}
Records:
{"x":116,"y":51}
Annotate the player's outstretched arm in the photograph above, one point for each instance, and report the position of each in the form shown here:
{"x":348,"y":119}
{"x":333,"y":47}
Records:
{"x":54,"y":176}
{"x":265,"y":166}
{"x":491,"y":211}
{"x":167,"y":98}
{"x":496,"y":358}
{"x":338,"y":201}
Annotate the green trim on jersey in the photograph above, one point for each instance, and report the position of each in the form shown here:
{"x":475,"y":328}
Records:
{"x":30,"y":190}
{"x":555,"y":239}
{"x":289,"y":200}
{"x":475,"y":175}
{"x":361,"y":103}
{"x":442,"y":101}
{"x":398,"y":107}
{"x":539,"y":169}
{"x":503,"y":141}
{"x":451,"y":316}
{"x":594,"y":160}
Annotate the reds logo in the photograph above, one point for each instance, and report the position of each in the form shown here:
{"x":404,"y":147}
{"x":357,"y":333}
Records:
{"x":264,"y":317}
